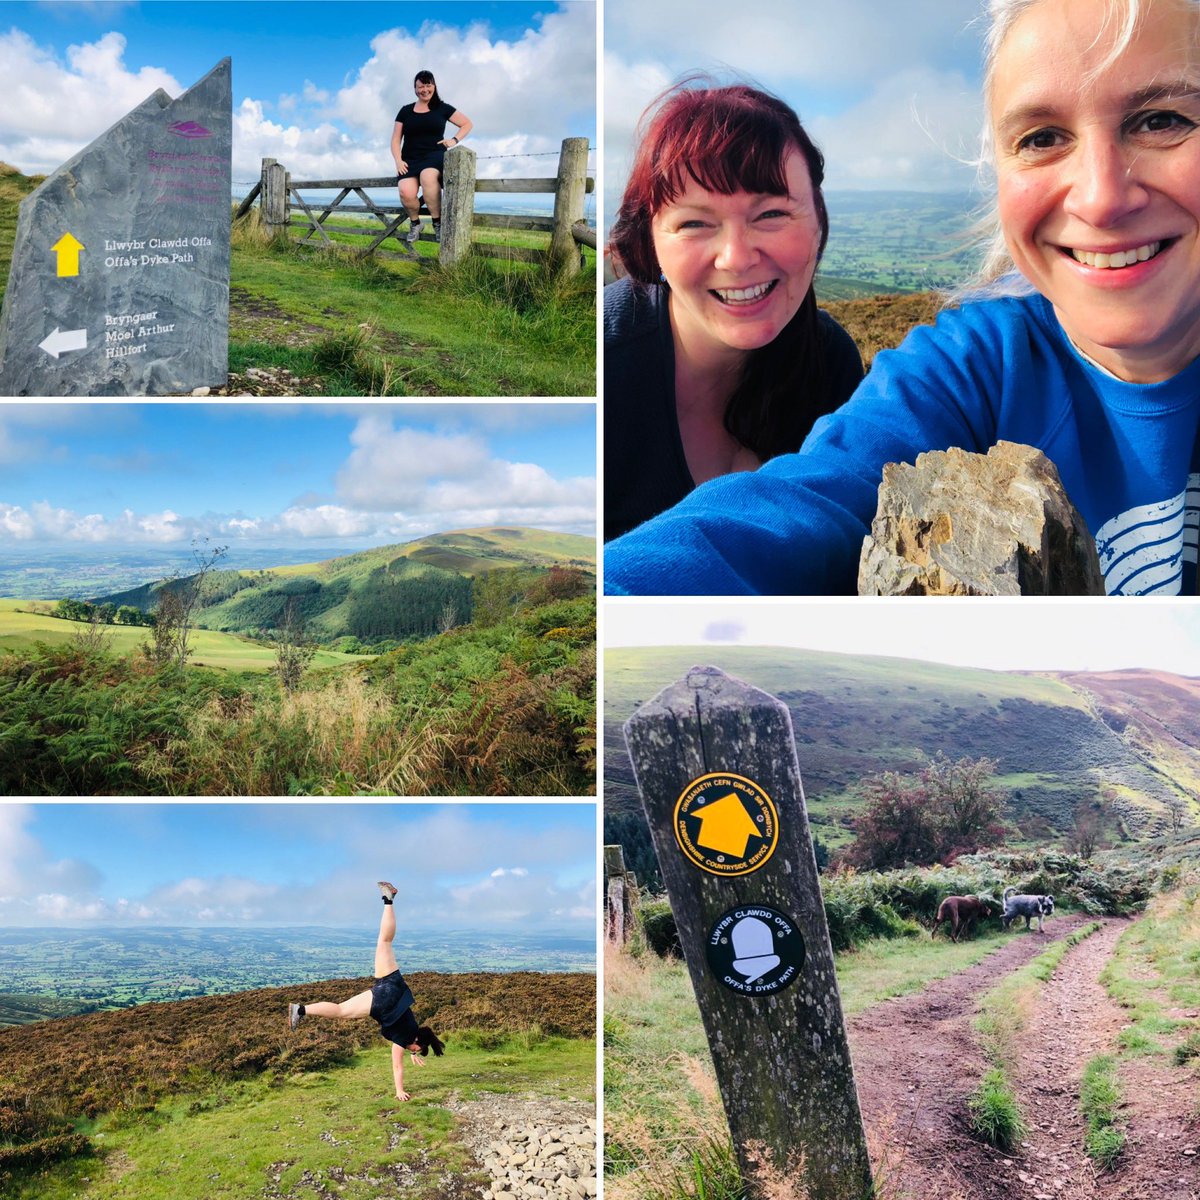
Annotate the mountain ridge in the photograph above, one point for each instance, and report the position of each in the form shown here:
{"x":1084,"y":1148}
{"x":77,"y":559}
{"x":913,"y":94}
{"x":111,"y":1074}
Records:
{"x":402,"y":590}
{"x":1059,"y":738}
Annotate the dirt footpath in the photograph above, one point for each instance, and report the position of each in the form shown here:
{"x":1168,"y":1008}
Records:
{"x":917,"y":1059}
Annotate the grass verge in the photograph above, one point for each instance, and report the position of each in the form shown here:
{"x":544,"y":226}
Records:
{"x":353,"y":326}
{"x":1152,"y":975}
{"x":994,"y":1113}
{"x":1099,"y":1098}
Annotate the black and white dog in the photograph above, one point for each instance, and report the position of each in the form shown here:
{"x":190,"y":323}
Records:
{"x":1025,"y":906}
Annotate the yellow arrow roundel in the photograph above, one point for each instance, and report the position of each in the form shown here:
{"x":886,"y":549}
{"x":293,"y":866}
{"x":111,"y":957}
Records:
{"x":726,"y":824}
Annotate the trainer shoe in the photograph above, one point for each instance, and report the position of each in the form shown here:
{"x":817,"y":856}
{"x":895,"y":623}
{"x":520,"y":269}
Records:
{"x":414,"y":233}
{"x":386,"y":889}
{"x":437,"y":231}
{"x":294,"y":1016}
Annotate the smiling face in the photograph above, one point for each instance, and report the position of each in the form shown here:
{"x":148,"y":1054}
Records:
{"x":424,"y":91}
{"x":738,"y":266}
{"x":1099,"y":177}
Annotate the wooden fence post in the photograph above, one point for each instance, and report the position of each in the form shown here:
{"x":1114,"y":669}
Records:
{"x":275,"y":198}
{"x":458,"y":204}
{"x":716,"y":766}
{"x":569,"y":193}
{"x":620,"y":896}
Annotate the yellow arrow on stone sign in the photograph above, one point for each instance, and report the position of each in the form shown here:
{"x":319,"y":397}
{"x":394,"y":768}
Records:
{"x":725,"y":826}
{"x":67,"y":248}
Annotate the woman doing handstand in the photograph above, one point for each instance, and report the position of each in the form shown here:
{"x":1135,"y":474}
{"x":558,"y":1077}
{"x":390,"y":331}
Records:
{"x":389,"y":1001}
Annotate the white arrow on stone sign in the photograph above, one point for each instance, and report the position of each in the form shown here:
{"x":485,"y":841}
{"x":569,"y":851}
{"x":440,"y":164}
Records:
{"x":62,"y":340}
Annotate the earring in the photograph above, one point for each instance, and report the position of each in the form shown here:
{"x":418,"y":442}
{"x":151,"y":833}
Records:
{"x":662,"y":277}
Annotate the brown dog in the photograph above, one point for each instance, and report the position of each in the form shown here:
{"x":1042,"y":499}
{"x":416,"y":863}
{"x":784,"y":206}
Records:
{"x":959,"y":912}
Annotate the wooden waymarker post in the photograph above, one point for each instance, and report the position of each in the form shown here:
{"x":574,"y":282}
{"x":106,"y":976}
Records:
{"x":716,"y":767}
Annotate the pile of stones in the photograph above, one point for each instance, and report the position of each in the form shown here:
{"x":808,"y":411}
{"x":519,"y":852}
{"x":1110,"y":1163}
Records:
{"x":533,"y":1151}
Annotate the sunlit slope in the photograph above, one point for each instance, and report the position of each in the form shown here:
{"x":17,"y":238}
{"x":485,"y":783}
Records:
{"x":390,"y":591}
{"x":21,"y":630}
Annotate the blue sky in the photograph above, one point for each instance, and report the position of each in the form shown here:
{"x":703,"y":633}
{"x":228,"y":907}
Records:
{"x":354,"y":475}
{"x":890,"y":91}
{"x":998,"y":635}
{"x":315,"y":84}
{"x":475,"y":867}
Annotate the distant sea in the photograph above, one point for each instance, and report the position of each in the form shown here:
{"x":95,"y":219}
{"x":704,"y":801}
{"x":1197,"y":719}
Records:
{"x":518,"y":204}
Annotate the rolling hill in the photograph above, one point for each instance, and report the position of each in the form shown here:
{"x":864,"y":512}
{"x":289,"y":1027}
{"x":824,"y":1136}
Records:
{"x":1058,"y":739}
{"x":389,"y":592}
{"x":215,"y":1097}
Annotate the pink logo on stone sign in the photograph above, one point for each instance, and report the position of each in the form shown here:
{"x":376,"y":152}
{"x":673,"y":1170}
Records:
{"x":189,"y":129}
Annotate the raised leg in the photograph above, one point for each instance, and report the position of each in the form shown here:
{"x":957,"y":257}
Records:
{"x":385,"y":958}
{"x":356,"y":1006}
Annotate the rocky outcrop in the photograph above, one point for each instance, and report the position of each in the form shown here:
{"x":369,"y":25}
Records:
{"x":962,"y":524}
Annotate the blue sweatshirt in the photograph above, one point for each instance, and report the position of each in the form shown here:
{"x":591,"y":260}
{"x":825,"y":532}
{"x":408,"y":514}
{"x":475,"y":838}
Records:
{"x":989,"y":371}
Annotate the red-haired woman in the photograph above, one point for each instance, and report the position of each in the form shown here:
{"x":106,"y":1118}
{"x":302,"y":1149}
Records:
{"x":389,"y":1001}
{"x":716,"y":357}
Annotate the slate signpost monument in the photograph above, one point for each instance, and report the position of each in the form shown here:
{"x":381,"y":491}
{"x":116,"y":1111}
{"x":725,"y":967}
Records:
{"x":120,"y":274}
{"x":716,"y":766}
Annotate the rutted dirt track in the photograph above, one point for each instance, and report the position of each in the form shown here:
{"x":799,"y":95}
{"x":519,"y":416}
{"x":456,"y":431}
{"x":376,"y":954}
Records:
{"x":917,"y":1059}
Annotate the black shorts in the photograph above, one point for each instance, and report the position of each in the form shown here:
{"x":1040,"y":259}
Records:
{"x":391,"y":998}
{"x":435,"y":158}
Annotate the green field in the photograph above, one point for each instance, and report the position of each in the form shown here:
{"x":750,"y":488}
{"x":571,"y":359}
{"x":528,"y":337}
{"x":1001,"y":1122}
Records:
{"x":304,"y":1134}
{"x":22,"y":630}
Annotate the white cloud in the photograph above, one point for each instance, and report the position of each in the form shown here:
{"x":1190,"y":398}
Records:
{"x":323,"y":521}
{"x":53,"y":108}
{"x":889,"y":91}
{"x":43,"y":520}
{"x":27,"y":870}
{"x":452,"y":481}
{"x":917,"y":128}
{"x":524,"y":96}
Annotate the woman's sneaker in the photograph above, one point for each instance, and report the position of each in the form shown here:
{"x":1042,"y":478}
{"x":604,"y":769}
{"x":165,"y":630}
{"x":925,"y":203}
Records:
{"x":295,"y":1016}
{"x":414,"y":232}
{"x":387,"y":890}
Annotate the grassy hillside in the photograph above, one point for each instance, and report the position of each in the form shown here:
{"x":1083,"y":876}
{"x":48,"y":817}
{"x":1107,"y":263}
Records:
{"x":390,"y":592}
{"x":1056,"y":741}
{"x":340,"y":326}
{"x":216,"y":1098}
{"x":18,"y":1008}
{"x":21,"y":629}
{"x":505,"y":705}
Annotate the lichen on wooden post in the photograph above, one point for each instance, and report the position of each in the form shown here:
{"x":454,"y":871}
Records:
{"x":275,"y":198}
{"x":716,"y":767}
{"x":458,"y":204}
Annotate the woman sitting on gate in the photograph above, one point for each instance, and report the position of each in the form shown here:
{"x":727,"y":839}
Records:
{"x":419,"y":146}
{"x":716,"y":357}
{"x":1085,"y":343}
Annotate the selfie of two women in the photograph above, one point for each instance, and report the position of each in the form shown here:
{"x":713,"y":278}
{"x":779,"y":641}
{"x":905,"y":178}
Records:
{"x":1076,"y":334}
{"x":901,"y":300}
